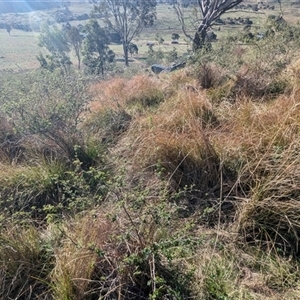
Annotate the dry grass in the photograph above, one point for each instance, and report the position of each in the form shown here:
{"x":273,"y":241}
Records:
{"x":141,"y":90}
{"x":261,"y":141}
{"x":25,"y":263}
{"x":188,"y":139}
{"x":210,"y":75}
{"x":83,"y":267}
{"x":271,"y":216}
{"x":172,"y":145}
{"x":158,"y":141}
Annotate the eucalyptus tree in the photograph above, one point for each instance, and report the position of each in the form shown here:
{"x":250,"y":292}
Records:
{"x":210,"y":11}
{"x":74,"y":39}
{"x":127,"y":18}
{"x":53,"y":39}
{"x":96,"y":53}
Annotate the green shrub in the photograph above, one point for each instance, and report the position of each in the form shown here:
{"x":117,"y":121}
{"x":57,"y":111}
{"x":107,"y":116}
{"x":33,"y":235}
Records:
{"x":45,"y":110}
{"x":155,"y":57}
{"x":126,"y":249}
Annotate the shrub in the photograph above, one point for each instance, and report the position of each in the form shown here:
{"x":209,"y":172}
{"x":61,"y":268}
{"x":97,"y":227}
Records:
{"x":172,"y":56}
{"x":11,"y":148}
{"x":45,"y":110}
{"x":154,"y":56}
{"x":125,"y":252}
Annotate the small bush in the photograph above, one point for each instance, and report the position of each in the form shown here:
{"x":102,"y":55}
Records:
{"x":12,"y":149}
{"x":45,"y":109}
{"x":155,"y":57}
{"x":124,"y":255}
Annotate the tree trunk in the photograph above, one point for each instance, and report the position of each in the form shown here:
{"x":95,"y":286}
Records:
{"x":78,"y":57}
{"x":199,"y":38}
{"x":79,"y":61}
{"x":125,"y":50}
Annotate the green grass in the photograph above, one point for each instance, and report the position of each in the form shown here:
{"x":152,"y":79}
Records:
{"x":18,"y":51}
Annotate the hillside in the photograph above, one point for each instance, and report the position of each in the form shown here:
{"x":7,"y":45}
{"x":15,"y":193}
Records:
{"x":133,"y":185}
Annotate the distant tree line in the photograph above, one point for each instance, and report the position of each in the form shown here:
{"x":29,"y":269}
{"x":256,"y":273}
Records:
{"x":28,"y":5}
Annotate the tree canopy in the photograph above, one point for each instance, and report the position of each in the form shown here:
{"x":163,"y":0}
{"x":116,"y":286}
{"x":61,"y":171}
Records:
{"x":55,"y":42}
{"x":127,"y":18}
{"x":74,"y":39}
{"x":96,"y":53}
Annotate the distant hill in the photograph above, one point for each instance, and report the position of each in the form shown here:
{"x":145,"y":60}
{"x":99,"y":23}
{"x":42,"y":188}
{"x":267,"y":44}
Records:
{"x":18,"y":6}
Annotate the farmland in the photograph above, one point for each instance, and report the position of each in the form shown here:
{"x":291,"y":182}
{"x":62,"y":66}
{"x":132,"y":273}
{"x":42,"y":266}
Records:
{"x":19,"y":51}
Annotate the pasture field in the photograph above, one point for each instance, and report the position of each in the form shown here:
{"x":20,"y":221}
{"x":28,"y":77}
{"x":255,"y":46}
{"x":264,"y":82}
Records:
{"x":19,"y":51}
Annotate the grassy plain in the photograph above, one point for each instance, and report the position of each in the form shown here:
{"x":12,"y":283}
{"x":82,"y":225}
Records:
{"x":18,"y":51}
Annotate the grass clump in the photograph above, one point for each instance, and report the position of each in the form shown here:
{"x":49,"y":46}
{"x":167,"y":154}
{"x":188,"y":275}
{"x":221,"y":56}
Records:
{"x":271,"y":217}
{"x":107,"y":124}
{"x":186,"y":163}
{"x":50,"y":190}
{"x":25,"y":263}
{"x":138,"y":93}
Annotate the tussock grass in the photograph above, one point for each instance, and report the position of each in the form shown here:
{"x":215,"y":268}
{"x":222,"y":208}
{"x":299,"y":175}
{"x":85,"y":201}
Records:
{"x":26,"y":261}
{"x":49,"y":190}
{"x":201,"y":201}
{"x":260,"y":141}
{"x":26,"y":189}
{"x":139,"y":92}
{"x":159,"y":141}
{"x":272,"y":214}
{"x":210,"y":75}
{"x":82,"y":267}
{"x":106,"y":125}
